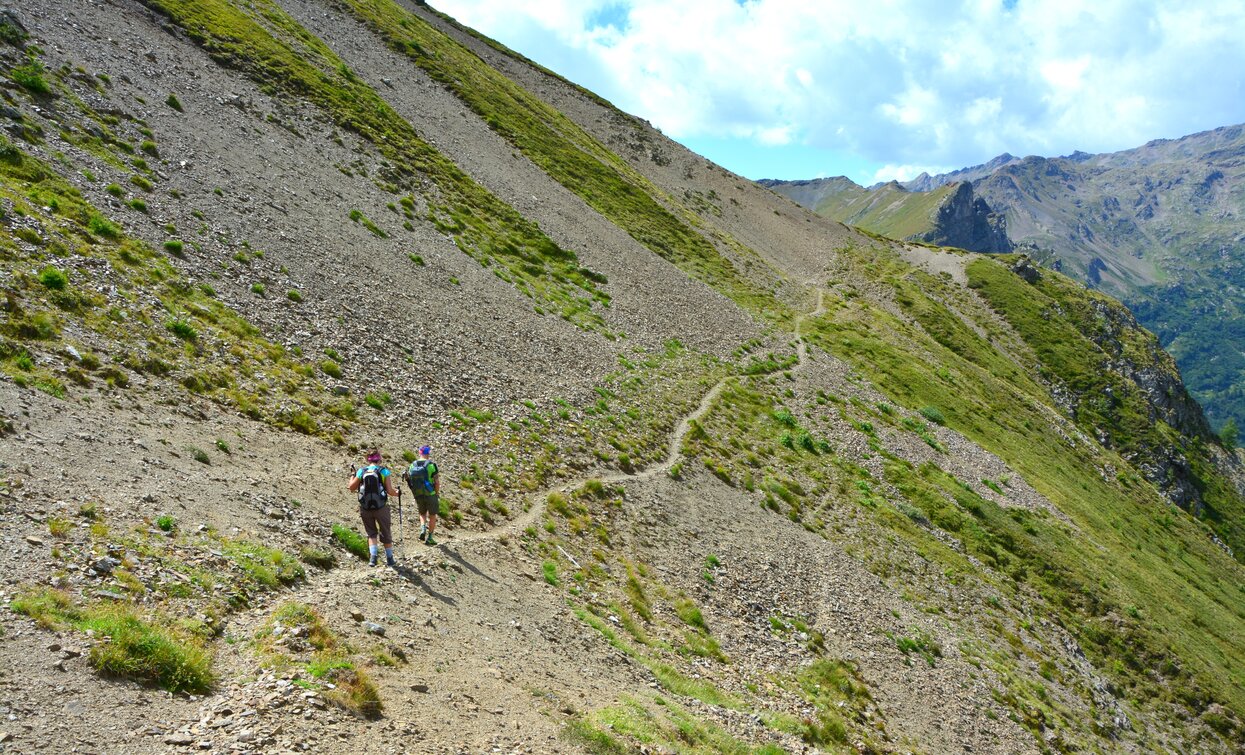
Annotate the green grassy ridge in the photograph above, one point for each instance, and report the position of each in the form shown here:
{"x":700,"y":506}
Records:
{"x":888,"y":210}
{"x":188,"y":337}
{"x":1132,"y":552}
{"x":285,"y":59}
{"x":1060,"y":321}
{"x":569,"y":155}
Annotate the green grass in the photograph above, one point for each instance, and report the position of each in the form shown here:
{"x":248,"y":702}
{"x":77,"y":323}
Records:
{"x":138,"y":649}
{"x":351,"y":541}
{"x":1084,"y":580}
{"x":267,"y":567}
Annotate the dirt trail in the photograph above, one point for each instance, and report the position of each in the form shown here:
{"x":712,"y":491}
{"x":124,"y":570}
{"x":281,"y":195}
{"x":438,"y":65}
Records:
{"x":674,"y":453}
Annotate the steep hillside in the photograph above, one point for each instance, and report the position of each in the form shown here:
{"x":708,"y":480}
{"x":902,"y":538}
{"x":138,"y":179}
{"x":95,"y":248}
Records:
{"x":719,"y":474}
{"x":1157,"y":226}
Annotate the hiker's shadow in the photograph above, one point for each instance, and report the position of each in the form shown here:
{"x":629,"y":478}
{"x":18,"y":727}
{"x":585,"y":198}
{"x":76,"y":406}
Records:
{"x":464,"y":563}
{"x":412,"y":576}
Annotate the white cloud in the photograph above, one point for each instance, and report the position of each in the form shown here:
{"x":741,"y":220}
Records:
{"x":905,"y":172}
{"x":901,"y":82}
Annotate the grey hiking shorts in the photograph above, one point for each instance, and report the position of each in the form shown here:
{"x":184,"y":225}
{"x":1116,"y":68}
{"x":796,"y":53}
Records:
{"x":377,"y":520}
{"x":428,"y":503}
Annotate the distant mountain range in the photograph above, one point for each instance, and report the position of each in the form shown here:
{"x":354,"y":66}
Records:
{"x":1161,"y":227}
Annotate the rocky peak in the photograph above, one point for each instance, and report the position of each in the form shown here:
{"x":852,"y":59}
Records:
{"x":967,"y":221}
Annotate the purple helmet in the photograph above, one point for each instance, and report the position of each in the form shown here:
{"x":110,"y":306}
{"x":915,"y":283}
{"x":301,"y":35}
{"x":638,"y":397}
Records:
{"x":425,"y":450}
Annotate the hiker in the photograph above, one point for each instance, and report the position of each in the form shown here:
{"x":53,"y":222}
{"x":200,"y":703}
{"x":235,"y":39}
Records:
{"x":374,"y":484}
{"x":426,"y":485}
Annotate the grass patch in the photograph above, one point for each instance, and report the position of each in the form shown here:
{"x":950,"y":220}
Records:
{"x":352,"y":541}
{"x":138,"y":649}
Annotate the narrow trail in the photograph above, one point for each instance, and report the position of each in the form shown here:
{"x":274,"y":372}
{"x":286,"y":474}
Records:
{"x":674,"y":452}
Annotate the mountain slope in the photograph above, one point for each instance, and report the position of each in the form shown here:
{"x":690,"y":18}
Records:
{"x":719,"y":474}
{"x":1156,"y":226}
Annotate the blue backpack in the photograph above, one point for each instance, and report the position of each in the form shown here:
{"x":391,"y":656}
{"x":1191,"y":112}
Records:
{"x":419,"y":476}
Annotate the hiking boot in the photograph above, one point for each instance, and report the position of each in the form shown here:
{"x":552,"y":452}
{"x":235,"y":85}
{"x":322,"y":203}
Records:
{"x":390,"y":562}
{"x":423,"y":532}
{"x":429,"y":541}
{"x":372,"y":561}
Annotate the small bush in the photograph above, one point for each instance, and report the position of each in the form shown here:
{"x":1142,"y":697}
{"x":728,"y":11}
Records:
{"x":293,"y":295}
{"x":149,"y":147}
{"x":331,"y":368}
{"x":351,"y":541}
{"x":137,"y":204}
{"x":53,"y":277}
{"x":165,"y":522}
{"x":257,"y":289}
{"x":115,"y":190}
{"x":175,"y":247}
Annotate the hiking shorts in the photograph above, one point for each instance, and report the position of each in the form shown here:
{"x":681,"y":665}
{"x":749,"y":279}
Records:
{"x":429,"y":503}
{"x":375,"y":520}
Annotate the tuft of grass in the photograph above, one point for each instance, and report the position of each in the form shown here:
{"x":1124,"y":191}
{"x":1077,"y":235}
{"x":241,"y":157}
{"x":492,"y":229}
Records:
{"x":102,"y":226}
{"x":269,"y":567}
{"x":318,"y":558}
{"x":355,"y":692}
{"x":351,"y":541}
{"x":182,"y":329}
{"x":138,"y":649}
{"x":199,"y":455}
{"x":30,"y":77}
{"x":53,"y":277}
{"x":294,"y":295}
{"x":173,"y":102}
{"x":165,"y":523}
{"x":933,"y":414}
{"x":59,"y":526}
{"x":176,"y":247}
{"x":550,"y":571}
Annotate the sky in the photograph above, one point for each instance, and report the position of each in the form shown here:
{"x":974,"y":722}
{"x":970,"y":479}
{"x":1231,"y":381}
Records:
{"x":887,"y":89}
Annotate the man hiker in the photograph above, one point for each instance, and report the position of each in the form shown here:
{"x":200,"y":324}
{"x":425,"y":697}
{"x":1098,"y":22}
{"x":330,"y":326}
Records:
{"x":374,"y":484}
{"x":426,"y":485}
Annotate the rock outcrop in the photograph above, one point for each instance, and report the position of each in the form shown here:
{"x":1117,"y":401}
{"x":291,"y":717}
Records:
{"x":967,"y":221}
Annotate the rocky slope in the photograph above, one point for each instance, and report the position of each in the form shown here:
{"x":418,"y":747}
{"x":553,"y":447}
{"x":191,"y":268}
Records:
{"x":720,"y":474}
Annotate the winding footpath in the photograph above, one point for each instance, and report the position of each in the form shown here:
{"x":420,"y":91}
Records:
{"x":674,"y":453}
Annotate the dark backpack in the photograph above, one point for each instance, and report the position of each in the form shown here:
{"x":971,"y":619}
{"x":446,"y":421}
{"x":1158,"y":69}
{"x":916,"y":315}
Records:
{"x":419,"y":476}
{"x":372,"y":493}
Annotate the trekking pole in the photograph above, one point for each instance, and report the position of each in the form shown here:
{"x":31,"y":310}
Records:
{"x":401,"y":539}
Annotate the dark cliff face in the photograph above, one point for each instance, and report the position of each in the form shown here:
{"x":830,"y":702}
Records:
{"x":968,"y":222}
